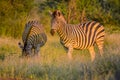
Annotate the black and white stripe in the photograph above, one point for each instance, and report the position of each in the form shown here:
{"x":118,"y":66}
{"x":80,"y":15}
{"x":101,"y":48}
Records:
{"x":80,"y":36}
{"x":33,"y":37}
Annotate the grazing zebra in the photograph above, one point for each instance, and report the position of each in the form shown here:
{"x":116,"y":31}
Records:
{"x":79,"y":36}
{"x":33,"y":37}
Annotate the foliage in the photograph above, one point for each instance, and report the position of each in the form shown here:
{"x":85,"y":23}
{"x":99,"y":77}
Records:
{"x":76,"y":10}
{"x":15,"y":13}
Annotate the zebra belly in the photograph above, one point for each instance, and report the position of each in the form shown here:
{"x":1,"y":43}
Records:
{"x":74,"y":44}
{"x":36,"y":40}
{"x":78,"y":45}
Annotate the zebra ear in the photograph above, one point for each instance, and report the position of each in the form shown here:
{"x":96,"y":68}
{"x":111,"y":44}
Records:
{"x":58,"y":13}
{"x":20,"y":45}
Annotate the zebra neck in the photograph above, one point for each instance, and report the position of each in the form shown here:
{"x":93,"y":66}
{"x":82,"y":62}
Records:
{"x":62,"y":30}
{"x":73,"y":34}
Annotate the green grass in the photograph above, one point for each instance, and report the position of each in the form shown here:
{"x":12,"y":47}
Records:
{"x":53,"y":63}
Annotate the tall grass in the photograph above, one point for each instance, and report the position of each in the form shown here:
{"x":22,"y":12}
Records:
{"x":53,"y":63}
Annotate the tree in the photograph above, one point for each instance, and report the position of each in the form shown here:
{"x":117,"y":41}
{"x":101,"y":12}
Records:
{"x":12,"y":16}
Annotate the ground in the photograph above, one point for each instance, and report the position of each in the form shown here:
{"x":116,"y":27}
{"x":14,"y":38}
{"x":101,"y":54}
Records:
{"x":53,"y":63}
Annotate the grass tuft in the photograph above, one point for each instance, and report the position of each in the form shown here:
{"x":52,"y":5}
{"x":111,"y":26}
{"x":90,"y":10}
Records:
{"x":53,"y":63}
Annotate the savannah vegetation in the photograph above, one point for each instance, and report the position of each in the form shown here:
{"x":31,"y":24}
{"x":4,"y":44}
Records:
{"x":52,"y":62}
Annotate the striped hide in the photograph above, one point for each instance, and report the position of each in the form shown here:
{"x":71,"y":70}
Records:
{"x":78,"y":36}
{"x":33,"y":37}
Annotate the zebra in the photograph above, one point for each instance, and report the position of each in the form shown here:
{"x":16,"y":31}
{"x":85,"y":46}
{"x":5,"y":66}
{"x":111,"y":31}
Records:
{"x":78,"y":36}
{"x":33,"y":38}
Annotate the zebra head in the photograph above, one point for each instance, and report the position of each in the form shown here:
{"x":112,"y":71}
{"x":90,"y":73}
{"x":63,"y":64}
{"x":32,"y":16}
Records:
{"x":26,"y":49}
{"x":57,"y":18}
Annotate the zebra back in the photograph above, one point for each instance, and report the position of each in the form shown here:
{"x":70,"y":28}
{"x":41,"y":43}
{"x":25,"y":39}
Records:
{"x":28,"y":27}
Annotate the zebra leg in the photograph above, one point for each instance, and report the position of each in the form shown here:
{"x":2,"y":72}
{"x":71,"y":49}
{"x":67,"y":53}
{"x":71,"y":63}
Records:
{"x":92,"y":53}
{"x":100,"y":46}
{"x":100,"y":51}
{"x":36,"y":50}
{"x":70,"y":50}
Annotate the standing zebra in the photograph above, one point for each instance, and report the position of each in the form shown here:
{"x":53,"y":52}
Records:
{"x":80,"y":36}
{"x":33,"y":37}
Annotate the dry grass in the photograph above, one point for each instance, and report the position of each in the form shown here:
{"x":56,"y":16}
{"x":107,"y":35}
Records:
{"x":53,"y":64}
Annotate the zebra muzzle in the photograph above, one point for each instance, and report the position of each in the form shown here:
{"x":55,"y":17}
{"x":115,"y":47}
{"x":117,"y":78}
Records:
{"x":52,"y":31}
